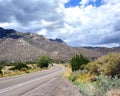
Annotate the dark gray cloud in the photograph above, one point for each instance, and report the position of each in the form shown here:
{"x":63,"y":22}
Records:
{"x":111,"y":38}
{"x":27,"y":11}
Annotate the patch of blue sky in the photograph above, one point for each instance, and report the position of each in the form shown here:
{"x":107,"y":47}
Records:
{"x":98,"y":3}
{"x":73,"y":3}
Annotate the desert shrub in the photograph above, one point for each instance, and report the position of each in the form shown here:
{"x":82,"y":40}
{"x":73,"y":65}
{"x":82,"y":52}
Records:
{"x":94,"y":67}
{"x":73,"y":77}
{"x":106,"y":83}
{"x":87,"y":89}
{"x":44,"y":61}
{"x":1,"y":70}
{"x":78,"y":61}
{"x":107,"y":65}
{"x":20,"y":66}
{"x":25,"y":70}
{"x":80,"y":76}
{"x":101,"y":87}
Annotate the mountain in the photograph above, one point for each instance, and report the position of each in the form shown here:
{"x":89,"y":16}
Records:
{"x":19,"y":46}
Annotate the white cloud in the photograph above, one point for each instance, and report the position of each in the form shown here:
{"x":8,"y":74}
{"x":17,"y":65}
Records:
{"x":46,"y":23}
{"x":92,"y":24}
{"x":78,"y":26}
{"x":83,"y":2}
{"x":42,"y":32}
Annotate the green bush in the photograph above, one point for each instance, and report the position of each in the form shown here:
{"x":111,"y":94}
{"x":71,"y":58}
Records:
{"x":44,"y":61}
{"x":78,"y":61}
{"x":20,"y":66}
{"x":1,"y":70}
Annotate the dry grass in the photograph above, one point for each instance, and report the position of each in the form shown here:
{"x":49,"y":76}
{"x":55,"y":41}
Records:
{"x":68,"y":72}
{"x":84,"y":77}
{"x":79,"y":76}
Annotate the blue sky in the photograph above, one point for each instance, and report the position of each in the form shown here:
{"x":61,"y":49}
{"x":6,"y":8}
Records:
{"x":73,"y":3}
{"x":77,"y":22}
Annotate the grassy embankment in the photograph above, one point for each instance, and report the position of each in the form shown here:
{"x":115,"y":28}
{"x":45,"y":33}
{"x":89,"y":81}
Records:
{"x":18,"y":68}
{"x":8,"y":72}
{"x":98,"y":78}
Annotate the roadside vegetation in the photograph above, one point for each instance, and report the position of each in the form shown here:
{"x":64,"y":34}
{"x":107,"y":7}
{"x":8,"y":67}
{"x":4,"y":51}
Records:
{"x":17,"y":68}
{"x":96,"y":78}
{"x":44,"y":62}
{"x":78,"y":61}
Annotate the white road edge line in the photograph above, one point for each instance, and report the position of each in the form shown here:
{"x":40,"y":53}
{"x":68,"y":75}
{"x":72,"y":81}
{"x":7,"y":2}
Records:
{"x":18,"y":85}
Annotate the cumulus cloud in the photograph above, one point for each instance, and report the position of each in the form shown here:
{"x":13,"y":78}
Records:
{"x":84,"y":25}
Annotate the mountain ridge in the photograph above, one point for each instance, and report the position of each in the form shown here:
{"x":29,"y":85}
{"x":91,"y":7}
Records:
{"x":19,"y":46}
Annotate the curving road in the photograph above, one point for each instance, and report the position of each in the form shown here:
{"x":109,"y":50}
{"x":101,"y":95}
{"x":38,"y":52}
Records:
{"x":18,"y":85}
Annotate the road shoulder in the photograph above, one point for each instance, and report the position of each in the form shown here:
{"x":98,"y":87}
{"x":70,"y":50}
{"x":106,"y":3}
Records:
{"x":58,"y":86}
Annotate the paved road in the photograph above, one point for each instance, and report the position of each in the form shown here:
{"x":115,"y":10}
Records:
{"x":18,"y":85}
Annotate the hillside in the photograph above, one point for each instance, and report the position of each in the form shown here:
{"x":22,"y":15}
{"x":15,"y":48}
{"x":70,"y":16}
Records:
{"x":19,"y":46}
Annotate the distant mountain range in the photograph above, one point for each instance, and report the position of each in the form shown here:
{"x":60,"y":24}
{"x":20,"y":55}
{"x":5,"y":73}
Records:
{"x":19,"y":46}
{"x":104,"y":50}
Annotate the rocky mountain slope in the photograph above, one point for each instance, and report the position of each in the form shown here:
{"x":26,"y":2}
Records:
{"x":18,"y":46}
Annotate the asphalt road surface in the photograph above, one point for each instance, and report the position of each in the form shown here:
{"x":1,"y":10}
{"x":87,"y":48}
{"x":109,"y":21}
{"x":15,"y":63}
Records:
{"x":19,"y":85}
